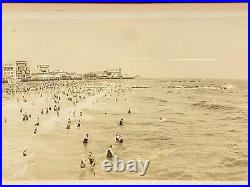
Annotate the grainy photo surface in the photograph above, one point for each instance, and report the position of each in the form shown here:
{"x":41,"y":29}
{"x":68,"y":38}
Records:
{"x":144,"y":92}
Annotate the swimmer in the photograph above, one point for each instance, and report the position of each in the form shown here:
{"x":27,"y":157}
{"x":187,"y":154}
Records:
{"x":91,"y":159}
{"x":121,"y":122}
{"x":25,"y":153}
{"x":86,"y":139}
{"x":68,"y":125}
{"x":79,"y":124}
{"x":25,"y":117}
{"x":37,"y":123}
{"x":110,"y":153}
{"x":129,"y":111}
{"x":118,"y":138}
{"x":83,"y":162}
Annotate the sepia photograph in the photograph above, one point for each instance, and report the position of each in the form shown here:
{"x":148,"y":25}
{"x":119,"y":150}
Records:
{"x":152,"y":93}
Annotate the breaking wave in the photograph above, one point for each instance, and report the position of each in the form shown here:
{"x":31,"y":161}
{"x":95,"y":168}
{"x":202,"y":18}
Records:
{"x":205,"y":105}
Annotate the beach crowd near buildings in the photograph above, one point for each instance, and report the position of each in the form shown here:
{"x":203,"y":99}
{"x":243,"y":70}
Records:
{"x":70,"y":126}
{"x":61,"y":91}
{"x":21,"y":71}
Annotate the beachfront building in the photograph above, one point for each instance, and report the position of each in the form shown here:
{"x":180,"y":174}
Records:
{"x":62,"y":75}
{"x":90,"y":75}
{"x":8,"y":72}
{"x":59,"y":75}
{"x":43,"y":68}
{"x":22,"y":70}
{"x":107,"y":74}
{"x":42,"y":73}
{"x":112,"y":73}
{"x":41,"y":76}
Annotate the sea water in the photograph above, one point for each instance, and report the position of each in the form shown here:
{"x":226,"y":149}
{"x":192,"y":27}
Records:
{"x":189,"y":129}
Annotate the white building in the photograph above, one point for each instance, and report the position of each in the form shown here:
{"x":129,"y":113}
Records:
{"x":8,"y":72}
{"x":42,"y":73}
{"x":22,"y":70}
{"x":43,"y":68}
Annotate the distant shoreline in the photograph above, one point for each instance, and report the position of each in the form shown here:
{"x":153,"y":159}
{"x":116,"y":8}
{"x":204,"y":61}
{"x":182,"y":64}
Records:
{"x":137,"y":78}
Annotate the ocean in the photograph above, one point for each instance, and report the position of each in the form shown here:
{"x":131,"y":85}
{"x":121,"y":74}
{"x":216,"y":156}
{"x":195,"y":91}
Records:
{"x":189,"y":130}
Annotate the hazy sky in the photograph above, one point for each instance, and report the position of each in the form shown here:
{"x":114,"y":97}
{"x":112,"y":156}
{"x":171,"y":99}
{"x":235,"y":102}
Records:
{"x":205,"y":41}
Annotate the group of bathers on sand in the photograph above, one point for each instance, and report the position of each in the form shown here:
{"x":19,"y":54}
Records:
{"x":54,"y":92}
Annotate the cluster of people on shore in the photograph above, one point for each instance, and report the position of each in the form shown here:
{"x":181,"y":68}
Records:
{"x":56,"y":93}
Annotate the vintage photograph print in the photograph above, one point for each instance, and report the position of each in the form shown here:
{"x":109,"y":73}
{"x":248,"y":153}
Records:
{"x":129,"y":92}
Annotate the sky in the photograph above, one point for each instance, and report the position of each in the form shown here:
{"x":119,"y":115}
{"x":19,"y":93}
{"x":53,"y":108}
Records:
{"x":177,"y":41}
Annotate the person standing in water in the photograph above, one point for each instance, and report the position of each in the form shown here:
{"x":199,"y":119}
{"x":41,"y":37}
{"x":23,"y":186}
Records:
{"x":129,"y":111}
{"x":25,"y":153}
{"x":91,"y":162}
{"x":118,"y":138}
{"x":121,"y":122}
{"x":86,"y":139}
{"x":91,"y":159}
{"x":69,"y":123}
{"x":110,"y":153}
{"x":83,"y":162}
{"x":79,"y":124}
{"x":37,"y":123}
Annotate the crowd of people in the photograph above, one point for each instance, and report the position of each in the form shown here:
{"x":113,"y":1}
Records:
{"x":56,"y":93}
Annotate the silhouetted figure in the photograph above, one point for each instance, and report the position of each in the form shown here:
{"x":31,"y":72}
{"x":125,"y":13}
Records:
{"x":91,"y":159}
{"x":37,"y":123}
{"x":129,"y":111}
{"x":69,"y":124}
{"x":86,"y":139}
{"x":118,"y":138}
{"x":79,"y":124}
{"x":110,"y":152}
{"x":121,"y":122}
{"x":25,"y":153}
